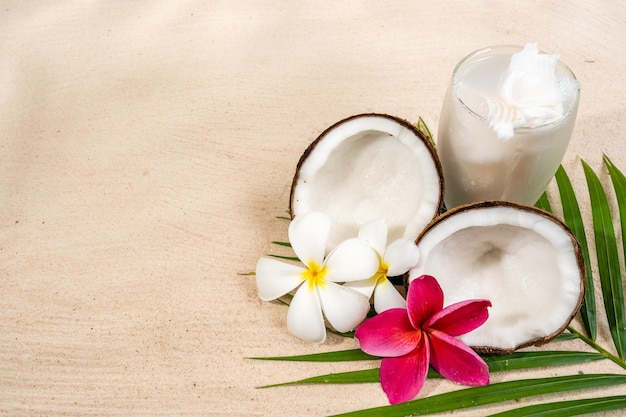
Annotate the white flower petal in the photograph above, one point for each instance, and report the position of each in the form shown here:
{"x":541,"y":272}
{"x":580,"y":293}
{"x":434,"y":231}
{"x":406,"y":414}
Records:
{"x":344,"y":308}
{"x":365,"y":287}
{"x":275,"y":279}
{"x":386,"y":296}
{"x":375,"y":232}
{"x":304,"y":317}
{"x":352,"y":260}
{"x":308,"y":234}
{"x":400,"y":256}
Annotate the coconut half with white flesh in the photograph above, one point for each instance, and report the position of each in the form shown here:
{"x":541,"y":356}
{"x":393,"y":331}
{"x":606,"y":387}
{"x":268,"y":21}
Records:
{"x":367,"y":167}
{"x":524,"y":260}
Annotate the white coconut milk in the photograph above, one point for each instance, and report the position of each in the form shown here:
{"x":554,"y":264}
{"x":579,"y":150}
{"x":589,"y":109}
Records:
{"x":500,"y":141}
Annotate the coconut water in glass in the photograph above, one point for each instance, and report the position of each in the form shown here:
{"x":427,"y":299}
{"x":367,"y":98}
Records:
{"x":505,"y":124}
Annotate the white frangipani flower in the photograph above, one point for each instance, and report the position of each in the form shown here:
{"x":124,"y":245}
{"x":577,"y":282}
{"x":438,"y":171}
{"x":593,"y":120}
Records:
{"x":319,"y":289}
{"x":394,"y":260}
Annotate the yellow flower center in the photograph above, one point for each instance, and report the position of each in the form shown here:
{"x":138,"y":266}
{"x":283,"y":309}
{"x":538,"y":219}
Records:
{"x":314,"y":276}
{"x":381,"y":274}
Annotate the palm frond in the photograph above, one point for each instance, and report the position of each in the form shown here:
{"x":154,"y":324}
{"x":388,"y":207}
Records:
{"x":503,"y":391}
{"x":286,"y":244}
{"x":573,"y":219}
{"x":608,"y":261}
{"x":567,"y":408}
{"x":543,"y":203}
{"x":515,"y":361}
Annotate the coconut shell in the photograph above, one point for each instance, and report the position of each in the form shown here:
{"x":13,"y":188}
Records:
{"x":531,"y":209}
{"x":398,"y":120}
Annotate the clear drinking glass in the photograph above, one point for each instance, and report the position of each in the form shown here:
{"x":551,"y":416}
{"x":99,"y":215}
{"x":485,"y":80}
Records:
{"x":477,"y":165}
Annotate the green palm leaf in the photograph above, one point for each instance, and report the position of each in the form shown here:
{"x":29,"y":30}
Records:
{"x":338,"y":356}
{"x":573,"y":219}
{"x":286,"y":244}
{"x":350,"y":377}
{"x":543,"y":203}
{"x":540,"y":359}
{"x":503,"y":391}
{"x":515,"y":361}
{"x":567,"y":408}
{"x":619,"y":185}
{"x":608,"y":261}
{"x":423,"y":127}
{"x":286,"y":258}
{"x":565,"y":336}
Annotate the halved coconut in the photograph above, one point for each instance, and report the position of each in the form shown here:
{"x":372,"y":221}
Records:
{"x":366,"y":167}
{"x":524,"y":260}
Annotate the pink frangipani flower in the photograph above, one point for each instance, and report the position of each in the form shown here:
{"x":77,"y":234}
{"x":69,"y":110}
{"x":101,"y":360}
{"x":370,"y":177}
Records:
{"x":423,"y":334}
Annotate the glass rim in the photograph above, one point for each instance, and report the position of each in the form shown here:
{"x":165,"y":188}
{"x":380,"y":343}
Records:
{"x":517,"y":48}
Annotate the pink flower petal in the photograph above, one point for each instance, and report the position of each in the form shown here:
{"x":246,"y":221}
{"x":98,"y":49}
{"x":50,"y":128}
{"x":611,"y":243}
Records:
{"x":460,"y":318}
{"x":388,"y":334}
{"x":424,"y":299}
{"x":456,"y":361}
{"x":402,"y":378}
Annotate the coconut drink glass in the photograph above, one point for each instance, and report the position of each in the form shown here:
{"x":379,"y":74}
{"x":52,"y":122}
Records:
{"x":505,"y":125}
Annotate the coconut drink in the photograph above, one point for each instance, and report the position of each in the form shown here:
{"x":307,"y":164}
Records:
{"x":505,"y":124}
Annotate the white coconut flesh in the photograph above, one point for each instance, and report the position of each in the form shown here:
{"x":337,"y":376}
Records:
{"x":524,"y":261}
{"x":368,"y":167}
